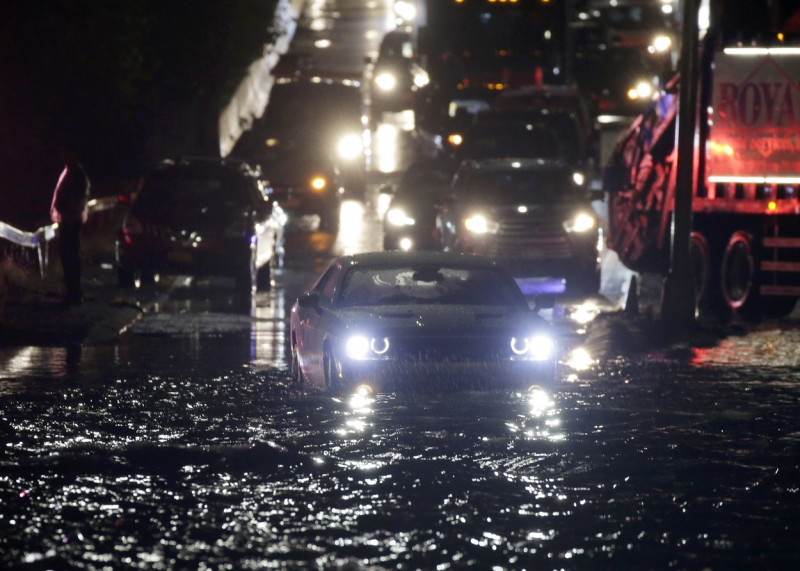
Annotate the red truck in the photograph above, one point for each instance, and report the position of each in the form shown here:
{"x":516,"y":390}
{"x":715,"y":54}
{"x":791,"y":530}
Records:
{"x":745,"y":237}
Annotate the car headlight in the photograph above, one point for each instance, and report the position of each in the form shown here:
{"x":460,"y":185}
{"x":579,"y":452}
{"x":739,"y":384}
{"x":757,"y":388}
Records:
{"x":579,"y":178}
{"x":386,"y":81}
{"x":581,"y":222}
{"x":661,"y":44}
{"x":421,"y":80}
{"x":361,"y":347}
{"x":397,"y":217}
{"x":642,"y":90}
{"x":479,"y":224}
{"x":535,"y":348}
{"x":350,"y":146}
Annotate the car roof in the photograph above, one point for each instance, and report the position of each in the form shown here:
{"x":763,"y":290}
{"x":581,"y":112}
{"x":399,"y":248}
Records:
{"x":514,"y":164}
{"x":419,"y":257}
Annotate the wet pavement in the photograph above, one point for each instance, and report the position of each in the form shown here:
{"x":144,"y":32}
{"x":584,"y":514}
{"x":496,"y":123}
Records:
{"x":184,"y":444}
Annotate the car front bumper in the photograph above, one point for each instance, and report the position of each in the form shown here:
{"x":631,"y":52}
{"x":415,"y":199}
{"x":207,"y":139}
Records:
{"x":381,"y":376}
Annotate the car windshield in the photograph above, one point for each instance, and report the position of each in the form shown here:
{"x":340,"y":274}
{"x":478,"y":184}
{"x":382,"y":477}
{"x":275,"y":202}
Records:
{"x":322,"y":106}
{"x":545,"y":186}
{"x":195,"y":190}
{"x":428,"y":284}
{"x":512,"y":141}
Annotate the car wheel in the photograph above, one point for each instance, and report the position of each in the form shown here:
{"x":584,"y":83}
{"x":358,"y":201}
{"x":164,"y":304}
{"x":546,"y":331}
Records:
{"x":126,"y":277}
{"x":333,"y":380}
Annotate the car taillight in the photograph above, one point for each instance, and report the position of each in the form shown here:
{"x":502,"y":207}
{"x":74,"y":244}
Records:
{"x":132,"y":225}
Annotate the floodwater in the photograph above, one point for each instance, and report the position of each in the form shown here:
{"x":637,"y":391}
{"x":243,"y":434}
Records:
{"x":192,"y":449}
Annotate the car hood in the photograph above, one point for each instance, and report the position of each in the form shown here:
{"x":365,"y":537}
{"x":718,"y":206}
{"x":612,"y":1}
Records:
{"x":441,"y":319}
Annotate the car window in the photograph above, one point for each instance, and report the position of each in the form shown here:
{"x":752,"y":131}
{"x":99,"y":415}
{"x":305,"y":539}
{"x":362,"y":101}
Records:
{"x":428,"y":284}
{"x":326,"y":286}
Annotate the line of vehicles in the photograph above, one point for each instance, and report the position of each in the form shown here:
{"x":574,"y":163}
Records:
{"x":503,"y":210}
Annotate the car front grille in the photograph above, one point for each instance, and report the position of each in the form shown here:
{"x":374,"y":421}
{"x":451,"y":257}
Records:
{"x":541,"y":239}
{"x":448,"y":349}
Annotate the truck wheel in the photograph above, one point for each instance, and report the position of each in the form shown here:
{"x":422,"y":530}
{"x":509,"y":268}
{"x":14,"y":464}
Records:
{"x":737,"y":274}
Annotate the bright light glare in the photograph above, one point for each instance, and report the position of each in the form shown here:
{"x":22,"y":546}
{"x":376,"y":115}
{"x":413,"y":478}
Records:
{"x":477,"y":224}
{"x":585,"y":312}
{"x":580,"y":359}
{"x":581,"y":223}
{"x":406,"y":244}
{"x":538,"y":400}
{"x":357,"y":347}
{"x":386,"y":145}
{"x":405,"y":11}
{"x":579,"y":178}
{"x":350,"y":146}
{"x":537,"y":348}
{"x":542,"y":348}
{"x":421,"y":80}
{"x":319,"y":183}
{"x":398,"y":217}
{"x":351,"y":227}
{"x":386,"y":81}
{"x":662,"y":43}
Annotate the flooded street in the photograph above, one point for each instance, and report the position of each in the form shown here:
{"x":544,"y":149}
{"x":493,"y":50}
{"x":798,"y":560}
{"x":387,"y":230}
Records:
{"x":185,"y":445}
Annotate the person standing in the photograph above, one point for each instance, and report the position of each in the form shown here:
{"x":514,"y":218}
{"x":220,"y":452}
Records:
{"x":69,"y":211}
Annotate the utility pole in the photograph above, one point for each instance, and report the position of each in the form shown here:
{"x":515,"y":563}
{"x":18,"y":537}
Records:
{"x":678,"y":295}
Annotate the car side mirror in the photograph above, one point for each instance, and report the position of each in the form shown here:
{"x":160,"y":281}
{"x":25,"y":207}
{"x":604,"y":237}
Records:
{"x":309,"y":300}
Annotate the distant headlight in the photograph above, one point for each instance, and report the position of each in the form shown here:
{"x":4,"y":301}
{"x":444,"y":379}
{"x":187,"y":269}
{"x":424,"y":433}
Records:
{"x":660,"y":44}
{"x":535,"y":348}
{"x":642,"y":90}
{"x":421,"y":80}
{"x":405,"y":11}
{"x":582,"y":222}
{"x":479,"y":224}
{"x":360,"y":347}
{"x":397,"y":217}
{"x":350,"y":146}
{"x":318,"y":183}
{"x":386,"y":81}
{"x":578,"y":178}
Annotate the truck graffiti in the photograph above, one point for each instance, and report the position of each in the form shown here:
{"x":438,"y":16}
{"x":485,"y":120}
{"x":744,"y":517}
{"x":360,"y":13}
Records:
{"x":745,"y":239}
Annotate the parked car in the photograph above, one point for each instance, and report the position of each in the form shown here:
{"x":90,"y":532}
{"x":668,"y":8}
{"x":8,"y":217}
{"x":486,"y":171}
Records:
{"x":395,"y":79}
{"x":398,"y":321}
{"x":201,"y":217}
{"x":532,"y":215}
{"x":410,"y":219}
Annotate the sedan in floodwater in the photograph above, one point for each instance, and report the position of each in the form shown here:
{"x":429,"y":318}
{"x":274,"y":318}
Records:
{"x":394,"y":321}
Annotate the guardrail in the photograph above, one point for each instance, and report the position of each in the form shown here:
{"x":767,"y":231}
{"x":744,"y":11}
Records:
{"x":40,"y":238}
